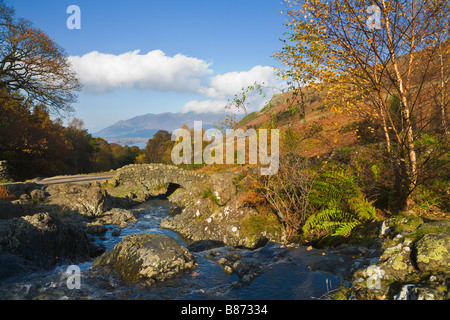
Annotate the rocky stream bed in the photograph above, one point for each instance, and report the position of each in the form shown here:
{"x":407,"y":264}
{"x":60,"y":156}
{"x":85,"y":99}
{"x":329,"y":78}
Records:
{"x":200,"y":242}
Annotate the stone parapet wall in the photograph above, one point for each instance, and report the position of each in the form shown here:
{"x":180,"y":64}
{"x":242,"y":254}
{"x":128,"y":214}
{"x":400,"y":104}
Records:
{"x":155,"y":174}
{"x":4,"y":170}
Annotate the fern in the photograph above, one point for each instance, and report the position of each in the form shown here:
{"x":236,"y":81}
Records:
{"x":318,"y":221}
{"x":338,"y":203}
{"x":363,"y":209}
{"x":345,"y":229}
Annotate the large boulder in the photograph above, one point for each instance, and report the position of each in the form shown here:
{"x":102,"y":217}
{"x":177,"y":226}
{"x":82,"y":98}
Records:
{"x":88,"y":199}
{"x":201,"y":220}
{"x":10,"y":210}
{"x":147,"y":258}
{"x":118,"y":216}
{"x":433,"y":252}
{"x":414,"y":265}
{"x":217,"y":211}
{"x":44,"y":240}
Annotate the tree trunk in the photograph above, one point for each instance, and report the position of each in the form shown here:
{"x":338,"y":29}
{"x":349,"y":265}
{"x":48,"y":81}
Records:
{"x":443,"y":113}
{"x":409,"y":160}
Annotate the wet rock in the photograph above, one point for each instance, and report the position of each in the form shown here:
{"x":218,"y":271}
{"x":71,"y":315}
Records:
{"x":417,"y":292}
{"x":96,"y":228}
{"x":12,"y":265}
{"x":148,"y":258}
{"x":234,"y":262}
{"x":96,"y":249}
{"x":117,"y":216}
{"x":414,"y":264}
{"x":242,"y":267}
{"x":203,"y":245}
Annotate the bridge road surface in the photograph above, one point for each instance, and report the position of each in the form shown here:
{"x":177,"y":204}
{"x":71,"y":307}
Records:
{"x":80,"y":178}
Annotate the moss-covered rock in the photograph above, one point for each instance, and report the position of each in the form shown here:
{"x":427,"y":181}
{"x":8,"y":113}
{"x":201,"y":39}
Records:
{"x":414,"y":265}
{"x":396,"y":261}
{"x":429,"y":227}
{"x":433,"y":252}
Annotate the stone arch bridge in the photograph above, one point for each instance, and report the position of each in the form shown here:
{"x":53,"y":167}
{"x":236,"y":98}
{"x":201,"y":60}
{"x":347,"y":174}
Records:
{"x":154,"y":175}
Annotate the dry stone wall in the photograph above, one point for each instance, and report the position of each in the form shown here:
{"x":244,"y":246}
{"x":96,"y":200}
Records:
{"x":4,"y":170}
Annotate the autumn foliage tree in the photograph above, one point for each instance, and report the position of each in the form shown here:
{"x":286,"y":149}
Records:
{"x":158,"y":148}
{"x":30,"y":61}
{"x":103,"y":158}
{"x":37,"y":82}
{"x":364,"y":54}
{"x":81,"y":146}
{"x":34,"y":145}
{"x":30,"y":141}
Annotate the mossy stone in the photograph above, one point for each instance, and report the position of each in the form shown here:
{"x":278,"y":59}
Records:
{"x":433,"y":252}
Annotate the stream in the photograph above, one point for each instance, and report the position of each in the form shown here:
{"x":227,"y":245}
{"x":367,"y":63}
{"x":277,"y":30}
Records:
{"x":281,"y":273}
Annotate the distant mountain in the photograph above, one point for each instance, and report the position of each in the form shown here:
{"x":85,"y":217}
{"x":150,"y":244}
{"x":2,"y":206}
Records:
{"x":144,"y":127}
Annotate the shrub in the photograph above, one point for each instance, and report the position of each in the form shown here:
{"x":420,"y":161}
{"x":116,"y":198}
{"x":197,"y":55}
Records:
{"x":290,"y":140}
{"x":288,"y":192}
{"x":208,"y":194}
{"x":5,"y":194}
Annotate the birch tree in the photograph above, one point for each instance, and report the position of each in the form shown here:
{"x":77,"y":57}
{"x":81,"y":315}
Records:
{"x":362,"y":54}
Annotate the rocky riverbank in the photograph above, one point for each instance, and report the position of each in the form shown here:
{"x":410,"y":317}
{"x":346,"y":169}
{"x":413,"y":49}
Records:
{"x":413,"y":264}
{"x":48,"y":225}
{"x":218,"y":210}
{"x":54,"y":224}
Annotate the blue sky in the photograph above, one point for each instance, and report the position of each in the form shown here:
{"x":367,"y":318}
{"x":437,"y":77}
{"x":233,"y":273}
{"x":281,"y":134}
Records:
{"x":150,"y":56}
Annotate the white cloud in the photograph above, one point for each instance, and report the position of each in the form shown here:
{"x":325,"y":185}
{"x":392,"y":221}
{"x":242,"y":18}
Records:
{"x":206,"y":106}
{"x":223,"y":88}
{"x":231,"y":83}
{"x":253,"y":103}
{"x":101,"y":72}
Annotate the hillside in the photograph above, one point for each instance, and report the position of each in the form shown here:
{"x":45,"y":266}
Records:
{"x":321,"y":129}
